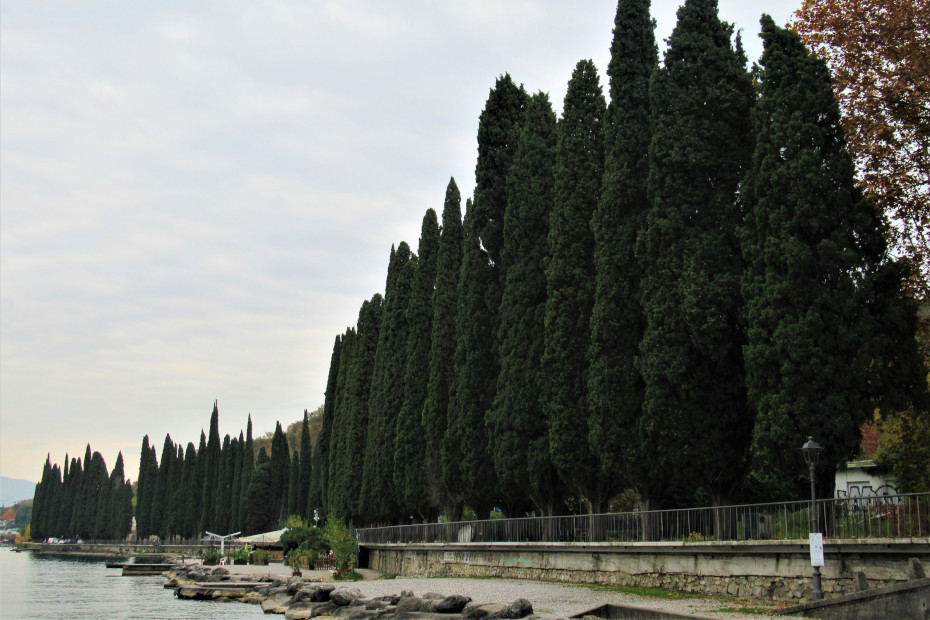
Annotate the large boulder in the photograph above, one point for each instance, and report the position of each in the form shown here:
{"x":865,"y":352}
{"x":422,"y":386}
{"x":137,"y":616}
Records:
{"x":293,"y":585}
{"x":452,"y":604}
{"x":410,"y":604}
{"x":520,"y":608}
{"x":345,"y":596}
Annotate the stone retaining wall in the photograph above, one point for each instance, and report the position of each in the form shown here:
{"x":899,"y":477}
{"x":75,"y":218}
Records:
{"x":779,"y":571}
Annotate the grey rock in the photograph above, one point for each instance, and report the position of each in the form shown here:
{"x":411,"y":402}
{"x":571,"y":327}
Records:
{"x":195,"y":575}
{"x":452,"y":604}
{"x":409,"y":604}
{"x":520,"y":608}
{"x":433,"y":596}
{"x":220,"y":571}
{"x":345,"y":596}
{"x":293,"y":585}
{"x":474,"y":611}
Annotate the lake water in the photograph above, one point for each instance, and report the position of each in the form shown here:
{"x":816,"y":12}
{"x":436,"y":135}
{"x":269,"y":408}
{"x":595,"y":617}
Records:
{"x":43,"y":587}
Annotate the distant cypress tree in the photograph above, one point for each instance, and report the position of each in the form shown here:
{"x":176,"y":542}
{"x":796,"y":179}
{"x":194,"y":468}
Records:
{"x":178,"y":495}
{"x":261,"y":504}
{"x":198,"y":479}
{"x":280,"y":471}
{"x":317,"y":495}
{"x":211,"y":472}
{"x":516,"y":421}
{"x":410,"y":444}
{"x":292,"y":478}
{"x":42,"y":501}
{"x":248,"y":468}
{"x":235,"y":494}
{"x":830,"y":337}
{"x":190,"y":494}
{"x":148,"y":472}
{"x":692,"y":349}
{"x":223,"y":491}
{"x":158,"y":520}
{"x":467,"y":468}
{"x":378,"y":499}
{"x":441,"y":371}
{"x":579,"y":166}
{"x":120,"y":501}
{"x":305,"y":471}
{"x":615,"y":385}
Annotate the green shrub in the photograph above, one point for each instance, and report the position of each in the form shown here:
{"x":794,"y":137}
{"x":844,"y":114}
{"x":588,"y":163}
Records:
{"x":343,"y":544}
{"x":211,"y":556}
{"x":260,"y":556}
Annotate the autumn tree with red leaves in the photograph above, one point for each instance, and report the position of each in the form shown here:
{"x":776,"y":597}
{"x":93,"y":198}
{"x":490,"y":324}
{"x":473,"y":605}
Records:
{"x":877,"y":53}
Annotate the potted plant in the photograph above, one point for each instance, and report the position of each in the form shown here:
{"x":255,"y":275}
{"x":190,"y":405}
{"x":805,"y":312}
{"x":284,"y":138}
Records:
{"x":211,"y":556}
{"x":260,"y":557}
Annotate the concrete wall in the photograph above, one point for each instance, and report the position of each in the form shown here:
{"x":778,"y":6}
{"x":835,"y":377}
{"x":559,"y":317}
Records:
{"x":779,"y":571}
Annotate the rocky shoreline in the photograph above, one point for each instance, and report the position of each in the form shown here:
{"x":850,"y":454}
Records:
{"x":297,"y":597}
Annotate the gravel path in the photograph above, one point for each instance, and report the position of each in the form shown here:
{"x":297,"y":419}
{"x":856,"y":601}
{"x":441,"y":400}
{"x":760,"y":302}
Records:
{"x":551,"y":600}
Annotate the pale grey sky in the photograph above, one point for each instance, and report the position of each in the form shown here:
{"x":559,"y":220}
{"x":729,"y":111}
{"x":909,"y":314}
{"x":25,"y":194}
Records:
{"x":197,"y":196}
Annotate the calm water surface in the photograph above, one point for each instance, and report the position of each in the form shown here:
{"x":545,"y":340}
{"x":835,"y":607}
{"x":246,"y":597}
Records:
{"x":43,"y":587}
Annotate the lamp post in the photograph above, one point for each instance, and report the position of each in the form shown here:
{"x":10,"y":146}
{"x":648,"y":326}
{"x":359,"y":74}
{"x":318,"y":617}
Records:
{"x":811,"y":450}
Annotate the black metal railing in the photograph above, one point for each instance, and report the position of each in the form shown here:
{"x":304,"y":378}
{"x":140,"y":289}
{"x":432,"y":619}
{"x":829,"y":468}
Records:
{"x":890,"y":516}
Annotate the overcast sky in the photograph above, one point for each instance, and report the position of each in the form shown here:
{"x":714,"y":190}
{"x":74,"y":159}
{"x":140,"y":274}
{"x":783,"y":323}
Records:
{"x":196,"y":197}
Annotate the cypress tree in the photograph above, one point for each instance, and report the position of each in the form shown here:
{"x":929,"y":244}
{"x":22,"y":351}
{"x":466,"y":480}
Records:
{"x":692,"y":348}
{"x":190,"y":494}
{"x":516,"y":421}
{"x":378,"y":500}
{"x":223,"y":492}
{"x":280,"y":471}
{"x":410,"y":444}
{"x":305,"y":473}
{"x":235,"y":494}
{"x":261,"y":504}
{"x":441,"y":370}
{"x":317,"y":495}
{"x":579,"y":166}
{"x":41,"y":524}
{"x":335,"y":501}
{"x":292,"y":479}
{"x":248,"y":468}
{"x":148,"y":468}
{"x":196,"y":497}
{"x":830,"y":337}
{"x":120,"y":500}
{"x":211,"y":471}
{"x":615,"y":385}
{"x":467,"y":468}
{"x":178,"y":496}
{"x":158,"y":520}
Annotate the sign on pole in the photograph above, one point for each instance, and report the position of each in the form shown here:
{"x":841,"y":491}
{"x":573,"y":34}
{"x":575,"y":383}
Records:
{"x":816,"y":549}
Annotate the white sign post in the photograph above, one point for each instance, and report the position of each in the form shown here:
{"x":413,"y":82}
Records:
{"x":816,"y":549}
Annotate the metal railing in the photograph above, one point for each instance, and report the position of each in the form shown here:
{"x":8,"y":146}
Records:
{"x":892,"y":516}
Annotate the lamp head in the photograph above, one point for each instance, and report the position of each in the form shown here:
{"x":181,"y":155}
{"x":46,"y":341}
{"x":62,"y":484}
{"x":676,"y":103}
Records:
{"x":811,"y":450}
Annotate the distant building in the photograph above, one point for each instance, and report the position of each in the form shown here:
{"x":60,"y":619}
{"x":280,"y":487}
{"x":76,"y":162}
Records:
{"x":861,"y":479}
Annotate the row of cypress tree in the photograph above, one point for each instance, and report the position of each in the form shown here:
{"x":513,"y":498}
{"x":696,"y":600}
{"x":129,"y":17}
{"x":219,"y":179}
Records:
{"x":668,"y":293}
{"x":84,"y":501}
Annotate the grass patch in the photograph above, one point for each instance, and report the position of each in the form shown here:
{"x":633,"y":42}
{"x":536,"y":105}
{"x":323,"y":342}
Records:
{"x":350,"y":576}
{"x":759,"y":611}
{"x":647,"y":592}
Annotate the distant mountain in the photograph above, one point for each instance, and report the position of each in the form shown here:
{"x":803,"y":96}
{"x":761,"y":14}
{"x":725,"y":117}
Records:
{"x":13,"y":490}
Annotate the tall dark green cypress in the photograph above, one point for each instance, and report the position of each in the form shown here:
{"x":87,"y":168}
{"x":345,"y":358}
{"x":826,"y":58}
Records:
{"x":347,"y":446}
{"x":830,"y":337}
{"x":692,"y":349}
{"x":211,"y":472}
{"x":159,"y":517}
{"x":441,"y":371}
{"x":615,"y":385}
{"x":223,"y":492}
{"x":516,"y":420}
{"x":378,"y":500}
{"x":120,"y":501}
{"x":248,"y":467}
{"x":317,"y":496}
{"x":190,"y":494}
{"x":147,"y":481}
{"x":305,"y":472}
{"x":579,"y":166}
{"x":410,"y":444}
{"x":292,"y":481}
{"x":467,"y":468}
{"x":280,"y":471}
{"x":335,"y":501}
{"x":235,"y":494}
{"x":42,"y":502}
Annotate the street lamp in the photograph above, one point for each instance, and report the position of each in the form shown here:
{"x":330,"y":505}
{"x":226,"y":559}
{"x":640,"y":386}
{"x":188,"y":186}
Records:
{"x":811,"y":450}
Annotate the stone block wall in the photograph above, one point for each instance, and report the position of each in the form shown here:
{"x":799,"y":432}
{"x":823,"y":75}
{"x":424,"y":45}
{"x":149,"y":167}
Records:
{"x":779,"y":572}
